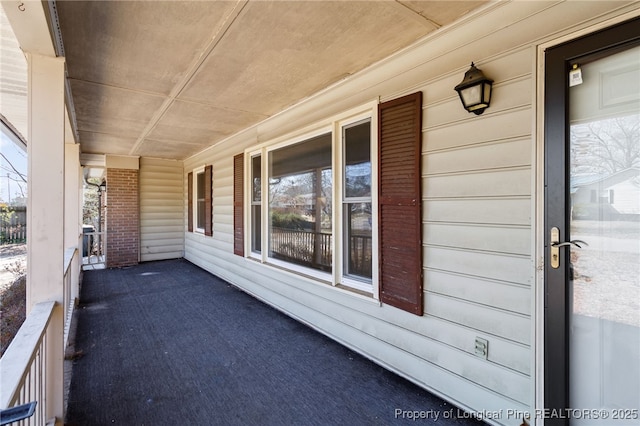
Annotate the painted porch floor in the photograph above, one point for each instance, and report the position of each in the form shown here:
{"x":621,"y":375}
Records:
{"x":166,"y":343}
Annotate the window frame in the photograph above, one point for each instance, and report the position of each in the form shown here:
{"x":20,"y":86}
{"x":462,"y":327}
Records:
{"x":196,"y":200}
{"x":266,"y":223}
{"x":396,"y":202}
{"x":342,"y":277}
{"x":202,"y":170}
{"x":249,"y":201}
{"x":334,"y":126}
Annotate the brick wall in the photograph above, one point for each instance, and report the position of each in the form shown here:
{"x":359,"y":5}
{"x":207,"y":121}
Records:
{"x":123,"y":229}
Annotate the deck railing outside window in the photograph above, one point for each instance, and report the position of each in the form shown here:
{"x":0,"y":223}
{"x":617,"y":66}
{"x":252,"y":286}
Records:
{"x":360,"y":255}
{"x":313,"y":249}
{"x":302,"y":247}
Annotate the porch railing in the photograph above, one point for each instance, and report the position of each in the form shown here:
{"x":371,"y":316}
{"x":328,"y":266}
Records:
{"x":70,"y":290}
{"x":23,"y":366}
{"x":314,"y":249}
{"x":360,"y":255}
{"x":93,"y":250}
{"x":26,"y":367}
{"x":303,"y":247}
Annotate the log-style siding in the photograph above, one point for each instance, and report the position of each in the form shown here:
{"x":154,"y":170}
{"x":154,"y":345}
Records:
{"x":162,"y":211}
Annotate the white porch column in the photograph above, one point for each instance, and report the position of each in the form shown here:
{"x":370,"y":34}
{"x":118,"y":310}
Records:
{"x":45,"y":229}
{"x":73,"y":209}
{"x":72,"y":185}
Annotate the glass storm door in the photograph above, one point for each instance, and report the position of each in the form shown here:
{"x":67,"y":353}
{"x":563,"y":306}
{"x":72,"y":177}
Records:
{"x":592,"y":220}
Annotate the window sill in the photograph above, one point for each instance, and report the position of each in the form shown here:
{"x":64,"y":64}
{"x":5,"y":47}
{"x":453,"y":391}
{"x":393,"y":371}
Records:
{"x":319,"y":279}
{"x":367,"y":294}
{"x":316,"y":276}
{"x":201,"y":233}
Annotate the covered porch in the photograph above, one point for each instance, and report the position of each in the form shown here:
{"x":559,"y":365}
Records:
{"x":168,"y":343}
{"x":130,"y":90}
{"x":183,"y":108}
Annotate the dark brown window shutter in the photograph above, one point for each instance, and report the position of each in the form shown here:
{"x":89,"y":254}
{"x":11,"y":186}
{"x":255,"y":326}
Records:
{"x":190,"y":202}
{"x":208,"y":209}
{"x":399,"y":146}
{"x":238,"y":204}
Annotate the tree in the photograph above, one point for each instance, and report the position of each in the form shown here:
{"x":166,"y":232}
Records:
{"x":14,"y":175}
{"x":91,"y":204}
{"x":606,"y":146}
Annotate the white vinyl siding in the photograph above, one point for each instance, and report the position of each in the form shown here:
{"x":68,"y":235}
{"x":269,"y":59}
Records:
{"x":161,"y":209}
{"x":478,"y":212}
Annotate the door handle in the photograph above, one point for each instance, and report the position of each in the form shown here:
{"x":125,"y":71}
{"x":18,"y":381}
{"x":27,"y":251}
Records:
{"x":556,"y":244}
{"x":570,"y":243}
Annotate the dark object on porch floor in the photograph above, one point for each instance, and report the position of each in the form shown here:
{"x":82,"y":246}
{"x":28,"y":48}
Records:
{"x":168,"y":343}
{"x":17,"y":413}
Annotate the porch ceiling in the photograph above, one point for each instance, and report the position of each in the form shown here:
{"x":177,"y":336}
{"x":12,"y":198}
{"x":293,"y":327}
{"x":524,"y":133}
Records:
{"x":168,"y":79}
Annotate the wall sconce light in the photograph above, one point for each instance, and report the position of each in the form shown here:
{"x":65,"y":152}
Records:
{"x":102,"y":187}
{"x":475,"y":90}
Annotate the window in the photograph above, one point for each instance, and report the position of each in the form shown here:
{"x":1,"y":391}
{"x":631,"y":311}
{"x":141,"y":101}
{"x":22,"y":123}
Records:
{"x":370,"y":240}
{"x":200,"y":202}
{"x":256,"y":204}
{"x":300,"y":210}
{"x":199,"y":206}
{"x":357,"y":207}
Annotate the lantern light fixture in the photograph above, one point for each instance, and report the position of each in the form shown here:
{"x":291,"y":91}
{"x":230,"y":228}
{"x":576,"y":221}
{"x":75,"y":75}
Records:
{"x":475,"y":90}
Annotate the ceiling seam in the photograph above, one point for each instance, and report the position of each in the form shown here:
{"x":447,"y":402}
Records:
{"x":418,"y":14}
{"x":191,"y":72}
{"x":113,"y":86}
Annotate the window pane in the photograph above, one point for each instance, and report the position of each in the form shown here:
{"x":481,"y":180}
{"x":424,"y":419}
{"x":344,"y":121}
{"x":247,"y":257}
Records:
{"x":256,"y":208}
{"x":200,"y":207}
{"x":357,"y":147}
{"x":256,"y":228}
{"x":200,"y":215}
{"x":359,"y":243}
{"x":200,"y":186}
{"x":300,"y":187}
{"x":255,"y":178}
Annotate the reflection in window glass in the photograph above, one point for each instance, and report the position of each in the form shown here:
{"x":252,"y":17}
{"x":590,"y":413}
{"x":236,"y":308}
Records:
{"x":300,"y":188}
{"x":359,"y":249}
{"x":357,"y":153}
{"x":604,"y":289}
{"x":357,"y":200}
{"x":256,"y":202}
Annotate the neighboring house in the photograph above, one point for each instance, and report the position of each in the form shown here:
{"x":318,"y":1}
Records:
{"x":451,"y":284}
{"x":616,"y":196}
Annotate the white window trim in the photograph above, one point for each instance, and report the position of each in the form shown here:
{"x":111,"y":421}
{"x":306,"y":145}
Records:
{"x":339,"y":252}
{"x":248,"y":201}
{"x":282,"y":143}
{"x":332,"y":125}
{"x":196,"y":172}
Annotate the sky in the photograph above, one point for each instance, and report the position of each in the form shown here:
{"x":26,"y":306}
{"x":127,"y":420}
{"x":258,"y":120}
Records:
{"x":18,"y":159}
